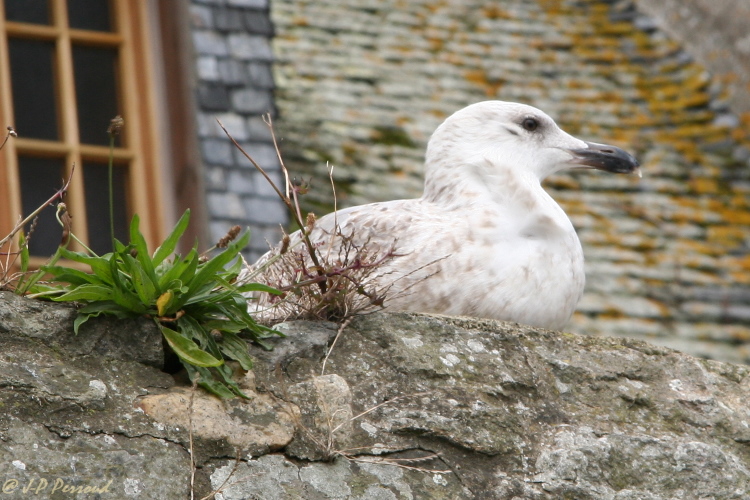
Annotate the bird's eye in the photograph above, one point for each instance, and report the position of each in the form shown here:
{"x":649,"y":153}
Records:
{"x":530,"y":124}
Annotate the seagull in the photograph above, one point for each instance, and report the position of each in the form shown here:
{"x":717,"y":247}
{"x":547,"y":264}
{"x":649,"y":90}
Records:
{"x":485,"y":239}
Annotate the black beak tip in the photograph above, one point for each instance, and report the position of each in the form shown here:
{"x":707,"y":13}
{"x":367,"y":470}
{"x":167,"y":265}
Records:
{"x":607,"y":158}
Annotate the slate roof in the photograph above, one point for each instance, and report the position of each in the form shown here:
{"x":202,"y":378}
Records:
{"x":234,"y":83}
{"x":363,"y":84}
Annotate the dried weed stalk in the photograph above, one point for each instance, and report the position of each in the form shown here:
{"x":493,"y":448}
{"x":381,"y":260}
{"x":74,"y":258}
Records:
{"x":331,"y":279}
{"x":11,"y":251}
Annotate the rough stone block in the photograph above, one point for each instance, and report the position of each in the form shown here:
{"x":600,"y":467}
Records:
{"x":213,"y":97}
{"x":263,"y":189}
{"x":260,"y":75}
{"x":210,"y":43}
{"x":263,"y":153}
{"x":225,"y":206}
{"x":265,"y":210}
{"x":207,"y":68}
{"x":241,"y":181}
{"x":232,"y":72}
{"x":250,"y":47}
{"x":258,"y":22}
{"x":215,"y":178}
{"x":201,"y":16}
{"x":235,"y":125}
{"x":217,"y":152}
{"x":253,"y":4}
{"x":228,"y":19}
{"x":252,"y":101}
{"x":258,"y":129}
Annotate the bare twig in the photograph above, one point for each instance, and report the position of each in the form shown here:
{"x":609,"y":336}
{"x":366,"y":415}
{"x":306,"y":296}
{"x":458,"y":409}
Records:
{"x":291,"y":204}
{"x":57,"y":196}
{"x":330,"y":349}
{"x":193,"y":389}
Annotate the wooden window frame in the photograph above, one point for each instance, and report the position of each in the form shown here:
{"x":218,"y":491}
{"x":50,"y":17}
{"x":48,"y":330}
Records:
{"x":148,"y":193}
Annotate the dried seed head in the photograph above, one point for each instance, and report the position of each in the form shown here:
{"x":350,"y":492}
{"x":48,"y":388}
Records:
{"x":301,"y":186}
{"x":310,"y":223}
{"x":229,"y":237}
{"x":115,"y":125}
{"x":284,"y":244}
{"x":67,"y":222}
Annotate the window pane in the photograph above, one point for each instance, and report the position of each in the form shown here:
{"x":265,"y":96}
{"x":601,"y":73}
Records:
{"x":27,"y":11}
{"x":96,"y":91}
{"x":89,"y":15}
{"x":40,"y":178}
{"x":32,"y":78}
{"x":96,"y":185}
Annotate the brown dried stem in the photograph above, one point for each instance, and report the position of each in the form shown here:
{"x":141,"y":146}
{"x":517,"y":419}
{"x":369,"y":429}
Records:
{"x":57,"y":196}
{"x":292,"y":203}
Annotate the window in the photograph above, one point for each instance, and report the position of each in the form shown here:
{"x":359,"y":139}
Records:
{"x":67,"y":67}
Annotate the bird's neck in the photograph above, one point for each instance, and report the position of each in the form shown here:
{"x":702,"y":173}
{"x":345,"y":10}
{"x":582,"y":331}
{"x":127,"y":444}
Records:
{"x":477,"y":184}
{"x":516,"y":200}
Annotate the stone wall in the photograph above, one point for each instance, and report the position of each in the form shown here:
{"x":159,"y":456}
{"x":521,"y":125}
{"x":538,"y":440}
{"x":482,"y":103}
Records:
{"x":234,"y":83}
{"x":409,"y":406}
{"x":362,"y":85}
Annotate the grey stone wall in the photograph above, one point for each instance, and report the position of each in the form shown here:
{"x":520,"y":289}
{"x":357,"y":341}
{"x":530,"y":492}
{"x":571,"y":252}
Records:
{"x":363,"y":84}
{"x":234,"y":84}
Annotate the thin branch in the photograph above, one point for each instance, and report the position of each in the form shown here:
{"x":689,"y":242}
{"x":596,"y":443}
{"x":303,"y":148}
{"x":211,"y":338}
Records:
{"x":330,"y":349}
{"x":292,"y":207}
{"x":267,"y":120}
{"x":58,"y":195}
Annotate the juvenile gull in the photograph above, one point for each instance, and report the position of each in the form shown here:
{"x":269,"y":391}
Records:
{"x":485,"y":239}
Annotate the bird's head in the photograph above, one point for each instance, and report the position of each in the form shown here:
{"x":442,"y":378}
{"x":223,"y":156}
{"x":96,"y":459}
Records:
{"x":493,"y":139}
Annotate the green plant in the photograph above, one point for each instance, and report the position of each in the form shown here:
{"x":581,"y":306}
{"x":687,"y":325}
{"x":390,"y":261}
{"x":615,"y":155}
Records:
{"x":192,"y":299}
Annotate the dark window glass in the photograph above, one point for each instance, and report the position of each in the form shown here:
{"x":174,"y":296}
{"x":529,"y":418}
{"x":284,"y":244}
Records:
{"x":32,"y":79}
{"x":89,"y":15}
{"x":40,"y":178}
{"x":27,"y":11}
{"x":96,"y":185}
{"x":96,"y":91}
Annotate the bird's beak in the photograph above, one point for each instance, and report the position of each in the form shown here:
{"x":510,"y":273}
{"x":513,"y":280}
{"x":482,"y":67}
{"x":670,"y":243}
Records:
{"x":605,"y":157}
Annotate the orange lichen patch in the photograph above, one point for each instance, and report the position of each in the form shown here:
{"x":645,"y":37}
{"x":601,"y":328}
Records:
{"x":687,"y":247}
{"x":495,"y":12}
{"x":741,"y":278}
{"x":638,"y":120}
{"x":610,"y":56}
{"x":703,"y":185}
{"x":609,"y":28}
{"x":436,"y":44}
{"x":739,"y":135}
{"x":737,"y":216}
{"x":579,"y":84}
{"x":727,"y":235}
{"x":300,"y":21}
{"x":742,"y":263}
{"x":611,"y":313}
{"x":563,"y":182}
{"x":479,"y":77}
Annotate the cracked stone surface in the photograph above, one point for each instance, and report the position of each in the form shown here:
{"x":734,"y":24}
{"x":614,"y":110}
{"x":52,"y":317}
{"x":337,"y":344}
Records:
{"x":409,"y":407}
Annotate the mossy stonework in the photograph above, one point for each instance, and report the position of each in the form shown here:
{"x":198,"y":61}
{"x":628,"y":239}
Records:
{"x":667,"y":255}
{"x":407,"y":406}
